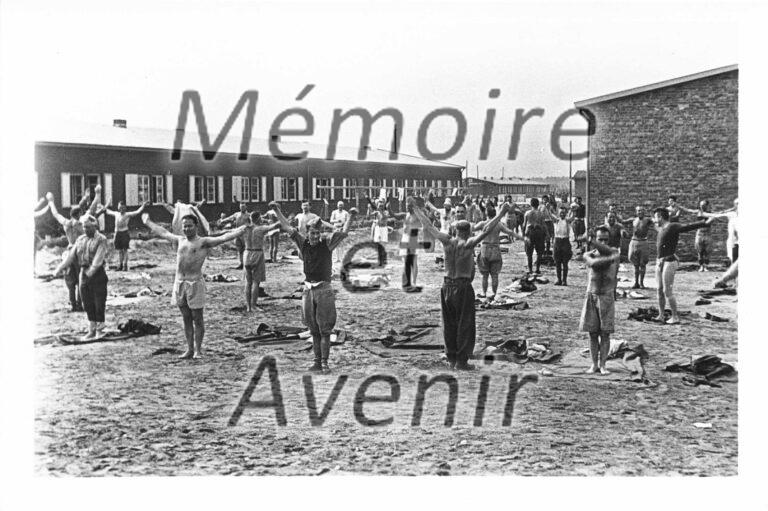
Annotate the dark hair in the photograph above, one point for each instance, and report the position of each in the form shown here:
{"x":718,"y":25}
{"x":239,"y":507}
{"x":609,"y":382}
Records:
{"x":563,"y":206}
{"x":461,"y":205}
{"x":545,"y":196}
{"x":74,"y":212}
{"x":673,"y":197}
{"x":255,"y":215}
{"x":190,"y":217}
{"x":602,"y":228}
{"x":490,"y":211}
{"x":578,"y":198}
{"x":663,"y":213}
{"x":535,"y":202}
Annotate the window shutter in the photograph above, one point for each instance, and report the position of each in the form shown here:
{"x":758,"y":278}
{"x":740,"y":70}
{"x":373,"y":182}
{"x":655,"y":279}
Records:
{"x":131,"y":189}
{"x":107,"y":188}
{"x":277,"y":182}
{"x":314,"y":188}
{"x":65,"y":192}
{"x":264,"y":188}
{"x":300,"y":192}
{"x":191,"y":189}
{"x":169,"y":189}
{"x":237,"y":188}
{"x":221,"y":189}
{"x":332,"y":195}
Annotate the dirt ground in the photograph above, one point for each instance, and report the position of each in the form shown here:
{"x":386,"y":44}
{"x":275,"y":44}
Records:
{"x":114,"y":408}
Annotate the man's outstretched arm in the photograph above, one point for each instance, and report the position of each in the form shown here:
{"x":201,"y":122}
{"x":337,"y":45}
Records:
{"x":157,"y":230}
{"x":229,"y":236}
{"x":429,"y":228}
{"x":489,"y":226}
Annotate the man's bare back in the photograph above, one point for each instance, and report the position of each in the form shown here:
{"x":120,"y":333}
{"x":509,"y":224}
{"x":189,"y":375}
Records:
{"x":459,"y":258}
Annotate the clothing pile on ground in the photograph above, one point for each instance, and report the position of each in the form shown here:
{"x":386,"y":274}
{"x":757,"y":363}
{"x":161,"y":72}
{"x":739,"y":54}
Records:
{"x":711,"y":293}
{"x":519,"y":351}
{"x":138,"y":328}
{"x":220,"y":277}
{"x":406,"y":338}
{"x":705,"y":370}
{"x":266,"y":334}
{"x":502,"y":303}
{"x":146,"y":291}
{"x":650,"y":313}
{"x":632,"y":357}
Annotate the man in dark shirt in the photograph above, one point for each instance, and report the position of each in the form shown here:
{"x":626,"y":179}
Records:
{"x":579,"y":225}
{"x":666,"y":263}
{"x":318,"y":303}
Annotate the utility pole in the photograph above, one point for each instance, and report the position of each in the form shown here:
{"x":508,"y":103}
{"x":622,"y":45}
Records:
{"x":502,"y":173}
{"x":570,"y":170}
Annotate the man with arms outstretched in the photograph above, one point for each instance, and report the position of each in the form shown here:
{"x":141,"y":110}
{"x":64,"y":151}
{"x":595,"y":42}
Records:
{"x":253,"y":259}
{"x":122,"y":233}
{"x":189,"y":285}
{"x":489,"y":260}
{"x":457,"y":298}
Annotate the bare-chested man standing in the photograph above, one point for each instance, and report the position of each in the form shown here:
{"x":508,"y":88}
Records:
{"x":457,"y":298}
{"x":638,"y":246}
{"x":189,"y":286}
{"x":535,"y":230}
{"x":239,"y":219}
{"x":489,"y":259}
{"x":253,"y":258}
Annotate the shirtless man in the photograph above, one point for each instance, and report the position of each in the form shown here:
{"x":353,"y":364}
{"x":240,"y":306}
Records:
{"x":598,"y":313}
{"x":703,"y":240}
{"x":535,"y":230}
{"x":318,"y":304}
{"x":255,"y":270}
{"x":305,"y":217}
{"x":579,"y":222}
{"x":239,"y":219}
{"x":89,"y":254}
{"x":666,"y":264}
{"x":445,"y":215}
{"x":638,"y":246}
{"x":673,"y":209}
{"x":189,"y":284}
{"x":380,"y":219}
{"x":122,"y":234}
{"x":339,"y":217}
{"x":732,"y":243}
{"x":547,"y":208}
{"x":489,"y":259}
{"x":457,"y":298}
{"x":562,"y":252}
{"x":615,"y":230}
{"x":180,"y":210}
{"x":413,"y":230}
{"x":73,"y":229}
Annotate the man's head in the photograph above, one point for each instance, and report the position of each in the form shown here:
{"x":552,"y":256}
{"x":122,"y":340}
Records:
{"x":508,"y":198}
{"x":74,"y":212}
{"x":736,"y":203}
{"x":340,"y":205}
{"x":255,"y":217}
{"x":602,"y":234}
{"x":305,"y":207}
{"x":612,"y":207}
{"x":89,"y":224}
{"x":314,"y":230}
{"x":611,"y":217}
{"x":447,"y":204}
{"x":189,"y":226}
{"x":639,"y":211}
{"x":704,"y":205}
{"x":671,"y":200}
{"x":121,"y":207}
{"x":490,"y":211}
{"x":461,"y":211}
{"x":534,"y":203}
{"x":243,"y":207}
{"x":563,"y":212}
{"x":545,"y":199}
{"x":462,"y":229}
{"x":660,"y":216}
{"x":578,"y":200}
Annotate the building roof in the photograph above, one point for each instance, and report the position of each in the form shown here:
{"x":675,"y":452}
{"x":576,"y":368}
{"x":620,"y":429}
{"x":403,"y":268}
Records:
{"x":581,"y":174}
{"x":99,"y":135}
{"x":517,"y":181}
{"x":658,"y":85}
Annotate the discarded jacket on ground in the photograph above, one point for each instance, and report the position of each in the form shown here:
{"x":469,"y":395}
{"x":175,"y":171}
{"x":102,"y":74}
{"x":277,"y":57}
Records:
{"x":137,"y":328}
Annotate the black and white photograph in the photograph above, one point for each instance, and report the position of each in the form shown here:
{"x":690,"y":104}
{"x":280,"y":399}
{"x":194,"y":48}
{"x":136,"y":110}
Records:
{"x":383,"y":248}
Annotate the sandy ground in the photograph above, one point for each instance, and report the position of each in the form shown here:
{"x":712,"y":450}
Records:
{"x":113,"y":408}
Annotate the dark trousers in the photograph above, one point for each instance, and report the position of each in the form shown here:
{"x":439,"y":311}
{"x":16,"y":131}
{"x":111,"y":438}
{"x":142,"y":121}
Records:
{"x":562,"y":254}
{"x":71,"y":279}
{"x":457,"y":300}
{"x":536,"y":242}
{"x":93,"y":292}
{"x":408,"y":270}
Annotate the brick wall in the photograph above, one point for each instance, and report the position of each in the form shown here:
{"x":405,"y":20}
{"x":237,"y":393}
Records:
{"x":679,"y":140}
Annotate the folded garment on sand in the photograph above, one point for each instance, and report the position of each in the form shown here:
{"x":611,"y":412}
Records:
{"x":138,"y":328}
{"x":506,"y":305}
{"x":220,"y":277}
{"x":650,"y":313}
{"x":711,"y":293}
{"x":519,"y":351}
{"x":702,"y":301}
{"x":428,"y":335}
{"x":266,"y":334}
{"x":717,"y":319}
{"x":708,"y":367}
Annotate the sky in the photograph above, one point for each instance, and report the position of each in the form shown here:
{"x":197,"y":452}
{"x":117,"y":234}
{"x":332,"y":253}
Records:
{"x":93,"y":62}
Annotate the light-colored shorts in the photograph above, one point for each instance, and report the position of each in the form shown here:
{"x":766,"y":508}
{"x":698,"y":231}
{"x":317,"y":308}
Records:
{"x":639,"y":252}
{"x":380,"y":233}
{"x":598,"y":313}
{"x":489,"y":260}
{"x":253,"y":261}
{"x":190,"y":293}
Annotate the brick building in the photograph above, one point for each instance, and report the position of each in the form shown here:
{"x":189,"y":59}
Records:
{"x":677,"y":137}
{"x":580,"y":184}
{"x":134,"y":165}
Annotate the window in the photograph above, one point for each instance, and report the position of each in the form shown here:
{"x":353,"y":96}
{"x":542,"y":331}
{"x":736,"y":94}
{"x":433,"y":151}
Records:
{"x":323,"y":189}
{"x":91,"y":181}
{"x":255,"y":189}
{"x":159,"y":191}
{"x":143,"y":189}
{"x":198,"y":188}
{"x":210,"y":189}
{"x":245,"y":189}
{"x":290,"y":189}
{"x":76,"y":182}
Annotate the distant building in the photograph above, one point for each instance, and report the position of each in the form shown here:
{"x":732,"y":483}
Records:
{"x":134,"y":165}
{"x":520,"y":189}
{"x":677,"y":137}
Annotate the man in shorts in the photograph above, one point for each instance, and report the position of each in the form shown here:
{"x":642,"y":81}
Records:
{"x":703,"y":240}
{"x":253,"y":257}
{"x":318,"y":303}
{"x":122,"y":234}
{"x":562,"y":252}
{"x":239,"y":219}
{"x":535,"y":231}
{"x":548,"y":209}
{"x":189,"y":284}
{"x":598,"y":313}
{"x":579,"y":222}
{"x":489,"y":261}
{"x":638,"y":246}
{"x":339,"y":217}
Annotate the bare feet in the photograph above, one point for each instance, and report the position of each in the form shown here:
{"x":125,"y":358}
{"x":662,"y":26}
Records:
{"x":659,"y":318}
{"x":592,"y":369}
{"x":88,"y":336}
{"x":673,"y":321}
{"x":187,"y":354}
{"x":198,"y":354}
{"x":604,"y":371}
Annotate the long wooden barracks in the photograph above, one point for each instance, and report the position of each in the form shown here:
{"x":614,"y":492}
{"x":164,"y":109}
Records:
{"x":134,"y":165}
